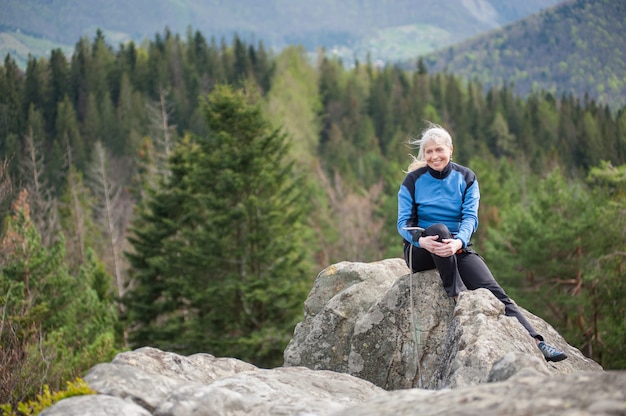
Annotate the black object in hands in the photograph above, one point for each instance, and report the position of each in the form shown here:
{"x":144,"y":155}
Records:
{"x":416,"y":232}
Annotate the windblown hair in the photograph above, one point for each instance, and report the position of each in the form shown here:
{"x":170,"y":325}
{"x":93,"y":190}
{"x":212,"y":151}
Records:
{"x":432,"y":133}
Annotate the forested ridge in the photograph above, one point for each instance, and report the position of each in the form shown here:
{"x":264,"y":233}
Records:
{"x":576,"y":47}
{"x":390,"y":30}
{"x":184,"y":193}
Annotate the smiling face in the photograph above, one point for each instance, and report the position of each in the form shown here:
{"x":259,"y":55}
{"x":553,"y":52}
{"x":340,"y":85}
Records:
{"x":437,"y":155}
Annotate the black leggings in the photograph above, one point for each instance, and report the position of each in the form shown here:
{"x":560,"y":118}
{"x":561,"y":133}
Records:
{"x":463,"y":271}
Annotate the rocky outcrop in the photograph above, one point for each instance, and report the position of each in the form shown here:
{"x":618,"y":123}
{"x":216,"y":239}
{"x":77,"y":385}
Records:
{"x":581,"y":394}
{"x":362,"y":350}
{"x":148,"y":381}
{"x":380,"y":323}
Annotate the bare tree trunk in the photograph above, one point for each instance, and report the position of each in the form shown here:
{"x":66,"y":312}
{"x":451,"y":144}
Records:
{"x":109,"y":195}
{"x":164,"y":123}
{"x":163,"y":132}
{"x":6,"y":185}
{"x":42,"y":206}
{"x":78,"y":216}
{"x":352,"y":215}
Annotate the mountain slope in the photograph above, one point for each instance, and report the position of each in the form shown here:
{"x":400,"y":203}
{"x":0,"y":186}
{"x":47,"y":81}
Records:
{"x":577,"y":47}
{"x":390,"y":30}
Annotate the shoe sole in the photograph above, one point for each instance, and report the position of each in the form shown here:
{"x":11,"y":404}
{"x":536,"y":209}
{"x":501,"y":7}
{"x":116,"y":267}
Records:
{"x":556,"y":358}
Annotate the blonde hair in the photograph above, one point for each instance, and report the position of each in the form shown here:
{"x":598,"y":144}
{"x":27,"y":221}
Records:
{"x":432,"y":133}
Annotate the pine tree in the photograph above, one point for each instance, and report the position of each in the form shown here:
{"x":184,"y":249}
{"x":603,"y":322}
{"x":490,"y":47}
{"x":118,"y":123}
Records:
{"x":606,"y":274}
{"x":59,"y":85}
{"x":218,"y":258}
{"x":68,"y":134}
{"x":561,"y":255}
{"x":242,"y":70}
{"x":79,"y":67}
{"x":131,"y":117}
{"x":504,"y":141}
{"x":55,"y":326}
{"x":11,"y":118}
{"x":35,"y":85}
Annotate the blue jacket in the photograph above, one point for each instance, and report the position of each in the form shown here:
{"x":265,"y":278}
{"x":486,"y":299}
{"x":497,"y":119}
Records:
{"x":450,"y":197}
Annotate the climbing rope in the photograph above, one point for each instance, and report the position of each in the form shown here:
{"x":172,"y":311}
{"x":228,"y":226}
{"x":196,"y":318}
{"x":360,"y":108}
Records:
{"x":413,"y":324}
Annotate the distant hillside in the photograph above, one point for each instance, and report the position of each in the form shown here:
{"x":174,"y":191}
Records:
{"x":577,"y":47}
{"x":389,"y":30}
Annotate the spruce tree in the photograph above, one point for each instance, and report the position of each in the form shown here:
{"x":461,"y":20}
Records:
{"x":11,"y":118}
{"x":218,"y":261}
{"x":56,"y":325}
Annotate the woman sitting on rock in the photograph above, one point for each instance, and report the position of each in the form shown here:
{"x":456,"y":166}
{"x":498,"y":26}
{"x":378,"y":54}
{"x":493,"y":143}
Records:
{"x":437,"y":214}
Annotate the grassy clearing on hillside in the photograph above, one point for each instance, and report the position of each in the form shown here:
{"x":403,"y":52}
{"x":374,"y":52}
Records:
{"x":399,"y":43}
{"x":20,"y":46}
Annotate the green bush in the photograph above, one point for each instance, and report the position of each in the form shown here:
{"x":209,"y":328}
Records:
{"x":78,"y":387}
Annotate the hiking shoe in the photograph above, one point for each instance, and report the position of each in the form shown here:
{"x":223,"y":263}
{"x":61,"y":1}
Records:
{"x":550,"y":353}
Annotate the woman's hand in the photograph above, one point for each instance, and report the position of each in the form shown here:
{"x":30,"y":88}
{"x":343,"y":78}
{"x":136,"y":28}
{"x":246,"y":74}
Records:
{"x":446,"y":248}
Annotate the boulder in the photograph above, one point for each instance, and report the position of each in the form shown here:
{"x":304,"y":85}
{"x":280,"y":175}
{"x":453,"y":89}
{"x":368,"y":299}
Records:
{"x":143,"y":388}
{"x":149,"y":381}
{"x":400,"y":330}
{"x":96,"y":405}
{"x":341,"y":295}
{"x":582,"y":393}
{"x":375,"y":340}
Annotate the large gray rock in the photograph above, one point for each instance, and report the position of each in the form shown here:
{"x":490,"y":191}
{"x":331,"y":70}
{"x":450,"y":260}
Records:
{"x":398,"y":330}
{"x":281,"y":391}
{"x":368,"y":329}
{"x":143,"y":389}
{"x":341,"y":295}
{"x":579,"y":394}
{"x":483,"y":344}
{"x":148,"y":381}
{"x":95,"y":405}
{"x":201,"y":368}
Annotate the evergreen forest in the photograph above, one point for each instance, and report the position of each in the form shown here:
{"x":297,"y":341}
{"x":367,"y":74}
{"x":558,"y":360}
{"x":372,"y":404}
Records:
{"x":184,"y":193}
{"x":390,"y":30}
{"x":570,"y":48}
